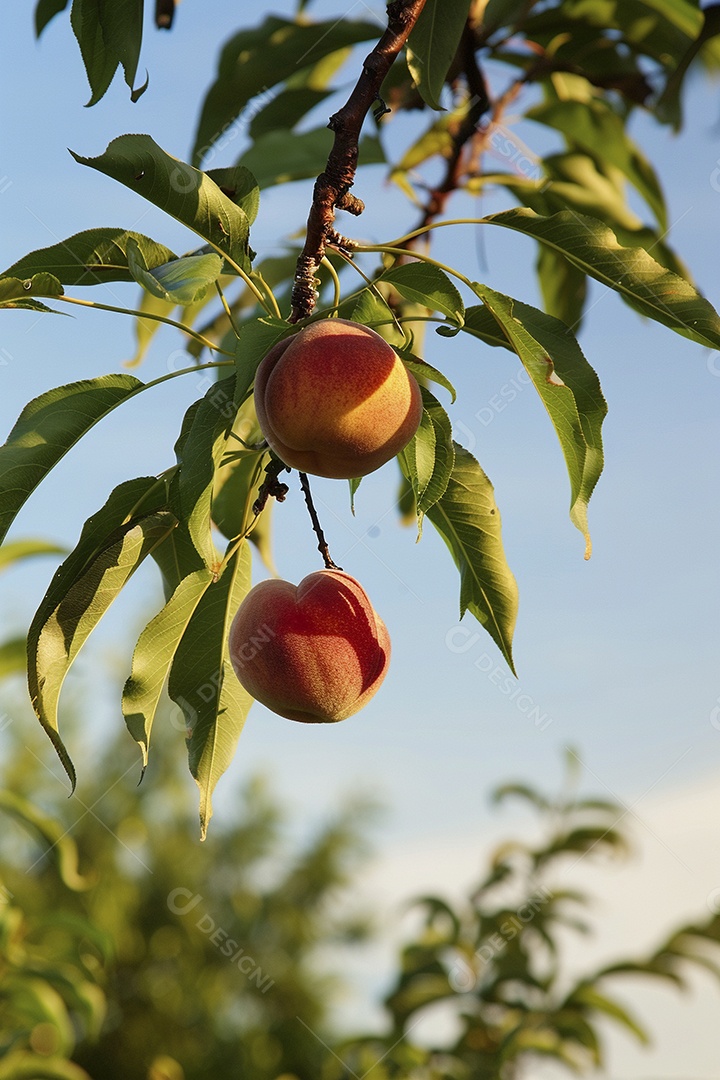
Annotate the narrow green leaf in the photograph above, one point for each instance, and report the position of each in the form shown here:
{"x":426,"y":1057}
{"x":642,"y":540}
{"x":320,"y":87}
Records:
{"x":180,"y":190}
{"x":426,"y":285}
{"x":590,"y":999}
{"x":154,"y":655}
{"x":90,"y":257}
{"x":236,"y":488}
{"x":47,"y":428}
{"x":253,"y":61}
{"x":240,"y":186}
{"x":421,"y":368}
{"x":183,"y":281}
{"x":15,"y":292}
{"x":200,"y":456}
{"x":643,"y":283}
{"x":468,"y":520}
{"x":45,"y":10}
{"x":354,"y":484}
{"x":109,"y":33}
{"x":73,"y":606}
{"x":428,"y":460}
{"x":256,"y":337}
{"x":432,"y":46}
{"x":25,"y":549}
{"x":568,"y":388}
{"x":563,"y":286}
{"x":203,"y":683}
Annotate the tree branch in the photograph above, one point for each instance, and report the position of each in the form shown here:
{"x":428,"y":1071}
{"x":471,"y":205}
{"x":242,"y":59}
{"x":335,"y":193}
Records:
{"x":332,"y":187}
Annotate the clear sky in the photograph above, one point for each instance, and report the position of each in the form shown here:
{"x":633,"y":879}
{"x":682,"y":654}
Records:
{"x":616,"y":656}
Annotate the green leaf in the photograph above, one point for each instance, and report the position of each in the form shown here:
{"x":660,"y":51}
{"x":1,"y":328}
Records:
{"x":428,"y":459}
{"x":236,"y":488}
{"x":643,"y":283}
{"x":468,"y":520}
{"x":240,"y":186}
{"x":25,"y":549}
{"x":598,"y":129}
{"x":590,"y":999}
{"x":45,"y":10}
{"x":47,"y":428}
{"x":281,"y":156}
{"x":423,"y":370}
{"x":668,"y":107}
{"x":286,"y":110}
{"x":432,"y":46}
{"x":109,"y":33}
{"x":426,"y":285}
{"x":203,"y":683}
{"x":111,"y":545}
{"x":90,"y":257}
{"x":568,"y":388}
{"x":13,"y":660}
{"x":153,"y":656}
{"x":15,"y":293}
{"x":202,"y":450}
{"x":183,"y":281}
{"x":563,"y":286}
{"x":256,"y":338}
{"x":185,"y":193}
{"x":253,"y":61}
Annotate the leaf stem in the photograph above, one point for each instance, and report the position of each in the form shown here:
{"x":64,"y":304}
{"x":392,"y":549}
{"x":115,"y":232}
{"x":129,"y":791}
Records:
{"x":145,"y":315}
{"x":271,"y":295}
{"x":336,"y":280}
{"x":317,"y":528}
{"x":226,"y":308}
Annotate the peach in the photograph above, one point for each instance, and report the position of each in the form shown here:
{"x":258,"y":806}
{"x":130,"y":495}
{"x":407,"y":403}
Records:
{"x":315,"y":652}
{"x":336,"y":400}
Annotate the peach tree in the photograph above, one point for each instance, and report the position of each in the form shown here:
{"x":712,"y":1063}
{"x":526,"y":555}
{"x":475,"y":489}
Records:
{"x":580,"y":68}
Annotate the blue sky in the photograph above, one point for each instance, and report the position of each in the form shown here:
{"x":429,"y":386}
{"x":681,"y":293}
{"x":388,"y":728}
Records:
{"x":616,"y":656}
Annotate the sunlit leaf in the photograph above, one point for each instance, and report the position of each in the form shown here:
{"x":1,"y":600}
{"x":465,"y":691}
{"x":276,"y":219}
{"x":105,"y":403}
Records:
{"x":179,"y":189}
{"x":252,"y":61}
{"x":426,"y":285}
{"x":182,"y":281}
{"x":643,"y":283}
{"x":468,"y":520}
{"x":90,"y":257}
{"x":281,"y":156}
{"x":112,"y":544}
{"x":568,"y":387}
{"x":47,"y":428}
{"x":153,"y":657}
{"x":432,"y":45}
{"x":204,"y":685}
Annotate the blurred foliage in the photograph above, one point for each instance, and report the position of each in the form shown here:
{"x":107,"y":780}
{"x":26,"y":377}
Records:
{"x":157,"y":959}
{"x":499,"y":962}
{"x":196,"y":961}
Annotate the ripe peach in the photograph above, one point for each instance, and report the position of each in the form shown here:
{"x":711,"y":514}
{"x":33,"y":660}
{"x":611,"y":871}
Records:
{"x":315,"y":652}
{"x":336,"y":400}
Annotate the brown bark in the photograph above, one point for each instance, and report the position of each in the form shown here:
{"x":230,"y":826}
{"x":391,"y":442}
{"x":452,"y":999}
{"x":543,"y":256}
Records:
{"x":332,"y":187}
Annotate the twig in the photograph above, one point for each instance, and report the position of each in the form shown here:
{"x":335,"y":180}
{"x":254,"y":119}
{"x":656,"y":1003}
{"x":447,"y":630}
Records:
{"x":271,"y":486}
{"x":317,"y":528}
{"x":164,"y":12}
{"x":332,"y":187}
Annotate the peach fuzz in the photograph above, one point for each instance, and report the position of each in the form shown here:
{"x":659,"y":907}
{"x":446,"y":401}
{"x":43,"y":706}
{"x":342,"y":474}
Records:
{"x":315,"y":652}
{"x":336,"y":400}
